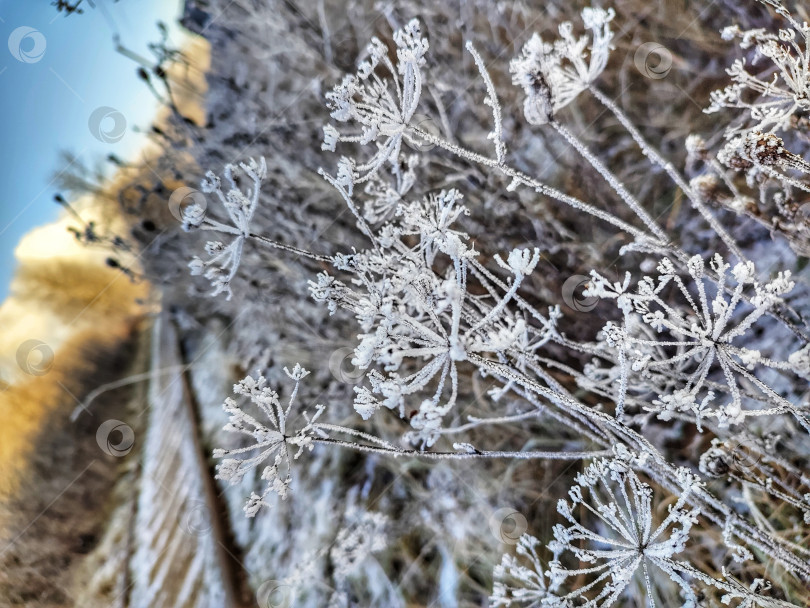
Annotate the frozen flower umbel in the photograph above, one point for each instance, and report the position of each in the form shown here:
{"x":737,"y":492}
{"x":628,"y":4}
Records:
{"x":418,"y":322}
{"x":621,"y":539}
{"x":519,"y":579}
{"x":382,"y":105}
{"x":689,"y":355}
{"x":224,"y":260}
{"x":553,"y":74}
{"x":271,"y":440}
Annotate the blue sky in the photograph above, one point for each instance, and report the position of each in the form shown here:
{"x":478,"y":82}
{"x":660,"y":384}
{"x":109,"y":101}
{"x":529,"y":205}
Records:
{"x":47,"y":99}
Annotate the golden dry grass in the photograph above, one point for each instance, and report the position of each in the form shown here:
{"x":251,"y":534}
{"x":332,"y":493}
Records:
{"x":75,"y":306}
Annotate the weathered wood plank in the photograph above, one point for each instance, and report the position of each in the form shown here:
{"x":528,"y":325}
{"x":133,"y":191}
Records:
{"x":180,"y":559}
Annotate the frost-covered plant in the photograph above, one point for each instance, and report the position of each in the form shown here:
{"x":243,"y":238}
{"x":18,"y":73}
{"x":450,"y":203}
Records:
{"x":224,"y":260}
{"x":434,"y":316}
{"x":772,"y":87}
{"x":520,"y":579}
{"x":623,"y":539}
{"x":553,"y":74}
{"x":382,"y":110}
{"x":698,"y":337}
{"x":363,"y":536}
{"x":782,"y":88}
{"x":274,"y":441}
{"x":413,"y":311}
